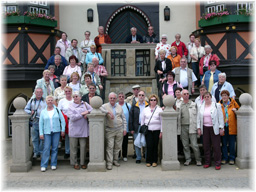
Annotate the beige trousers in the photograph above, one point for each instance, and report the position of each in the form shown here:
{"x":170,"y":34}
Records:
{"x":114,"y":139}
{"x":73,"y":142}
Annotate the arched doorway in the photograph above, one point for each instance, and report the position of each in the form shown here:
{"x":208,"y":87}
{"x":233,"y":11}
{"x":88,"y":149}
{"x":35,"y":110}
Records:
{"x":122,"y":20}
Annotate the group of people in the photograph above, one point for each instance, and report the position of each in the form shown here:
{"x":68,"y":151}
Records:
{"x":73,"y":76}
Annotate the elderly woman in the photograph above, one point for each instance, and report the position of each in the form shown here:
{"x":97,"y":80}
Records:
{"x":74,"y":82}
{"x":211,"y":76}
{"x":229,"y":107}
{"x":87,"y":42}
{"x":51,"y":126}
{"x":204,"y":61}
{"x":93,"y":54}
{"x":170,"y":85}
{"x":196,"y":53}
{"x":78,"y":129}
{"x":46,"y":84}
{"x":63,"y":105}
{"x":162,"y":45}
{"x":151,"y":117}
{"x":63,"y":43}
{"x":174,"y":57}
{"x":221,"y":85}
{"x":72,"y":67}
{"x":59,"y":93}
{"x":211,"y":125}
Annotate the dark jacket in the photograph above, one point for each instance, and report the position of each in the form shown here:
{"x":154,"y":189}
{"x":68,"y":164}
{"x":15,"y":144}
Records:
{"x":150,"y":39}
{"x":51,"y":61}
{"x":86,"y":97}
{"x":168,"y":68}
{"x":134,"y":116}
{"x":59,"y":70}
{"x":138,"y":38}
{"x":107,"y":40}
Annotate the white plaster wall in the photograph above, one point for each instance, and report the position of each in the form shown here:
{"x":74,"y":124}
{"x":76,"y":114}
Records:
{"x":182,"y":20}
{"x":73,"y":19}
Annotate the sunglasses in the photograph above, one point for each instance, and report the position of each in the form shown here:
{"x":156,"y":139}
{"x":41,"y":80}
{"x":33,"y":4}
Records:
{"x":75,"y":96}
{"x":152,"y":99}
{"x":141,"y":95}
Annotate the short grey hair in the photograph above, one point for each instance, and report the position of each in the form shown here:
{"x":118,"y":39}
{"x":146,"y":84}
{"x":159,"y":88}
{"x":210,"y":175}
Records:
{"x":184,"y":58}
{"x":100,"y":27}
{"x":95,"y":58}
{"x":134,"y":28}
{"x":120,"y":93}
{"x":112,"y":93}
{"x":77,"y":93}
{"x":57,"y":56}
{"x":63,"y":77}
{"x":38,"y":88}
{"x":222,"y":74}
{"x":207,"y":47}
{"x":90,"y":64}
{"x":164,"y":35}
{"x":51,"y":67}
{"x":178,"y":34}
{"x":162,"y":51}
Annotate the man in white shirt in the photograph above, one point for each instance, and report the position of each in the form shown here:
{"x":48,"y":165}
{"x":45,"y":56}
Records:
{"x":185,"y":76}
{"x":190,"y":44}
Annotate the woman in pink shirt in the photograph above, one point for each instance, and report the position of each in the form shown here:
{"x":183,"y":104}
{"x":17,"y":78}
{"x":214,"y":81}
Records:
{"x":170,"y":85}
{"x":63,"y":44}
{"x":210,"y":124}
{"x":72,"y":67}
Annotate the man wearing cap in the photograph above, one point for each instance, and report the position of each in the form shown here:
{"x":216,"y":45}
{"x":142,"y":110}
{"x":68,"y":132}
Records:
{"x":133,"y":98}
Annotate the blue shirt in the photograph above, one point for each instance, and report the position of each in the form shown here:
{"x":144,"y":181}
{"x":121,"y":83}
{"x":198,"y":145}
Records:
{"x":90,"y":55}
{"x":51,"y":62}
{"x":34,"y":104}
{"x":126,"y":113}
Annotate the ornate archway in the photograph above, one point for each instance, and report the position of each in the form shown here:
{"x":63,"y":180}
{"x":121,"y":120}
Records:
{"x":123,"y":19}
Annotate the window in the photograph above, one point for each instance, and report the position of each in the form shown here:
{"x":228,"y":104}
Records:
{"x":3,"y":9}
{"x":43,"y":3}
{"x":142,"y":63}
{"x":251,"y":6}
{"x":10,"y":8}
{"x":211,"y":9}
{"x":210,"y":2}
{"x":241,"y":6}
{"x":33,"y":10}
{"x":43,"y":11}
{"x":34,"y":2}
{"x":118,"y":63}
{"x":219,"y":8}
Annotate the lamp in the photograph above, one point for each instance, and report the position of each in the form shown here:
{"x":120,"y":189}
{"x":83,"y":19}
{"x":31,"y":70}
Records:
{"x":90,"y":15}
{"x":166,"y":13}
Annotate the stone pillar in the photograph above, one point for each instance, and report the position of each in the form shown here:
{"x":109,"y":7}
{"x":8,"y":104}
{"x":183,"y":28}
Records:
{"x":245,"y":123}
{"x":97,"y":162}
{"x":20,"y":138}
{"x":169,"y":135}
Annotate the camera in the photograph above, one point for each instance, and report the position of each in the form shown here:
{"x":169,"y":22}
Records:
{"x":33,"y":116}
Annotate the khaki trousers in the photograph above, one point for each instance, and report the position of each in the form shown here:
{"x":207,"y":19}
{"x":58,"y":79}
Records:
{"x":114,"y":139}
{"x":185,"y":137}
{"x":73,"y":141}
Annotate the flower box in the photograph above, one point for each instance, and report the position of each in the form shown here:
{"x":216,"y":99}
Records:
{"x":29,"y":20}
{"x":225,"y":19}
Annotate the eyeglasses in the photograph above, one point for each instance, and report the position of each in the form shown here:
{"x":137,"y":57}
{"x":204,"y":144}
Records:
{"x":92,"y":88}
{"x":152,"y":99}
{"x":121,"y":96}
{"x":112,"y":98}
{"x":75,"y":96}
{"x":163,"y":38}
{"x":141,"y":95}
{"x":185,"y":93}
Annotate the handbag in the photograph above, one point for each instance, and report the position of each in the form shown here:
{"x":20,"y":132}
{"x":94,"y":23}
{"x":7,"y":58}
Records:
{"x":144,"y":128}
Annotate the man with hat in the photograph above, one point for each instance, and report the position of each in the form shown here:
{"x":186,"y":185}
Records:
{"x":133,"y":98}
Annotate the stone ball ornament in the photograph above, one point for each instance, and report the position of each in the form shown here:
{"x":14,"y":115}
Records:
{"x":168,"y":101}
{"x":96,"y":102}
{"x":245,"y":99}
{"x":19,"y":103}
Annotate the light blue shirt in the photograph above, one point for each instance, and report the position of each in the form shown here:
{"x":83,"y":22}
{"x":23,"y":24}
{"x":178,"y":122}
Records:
{"x":114,"y":109}
{"x":126,"y":113}
{"x":32,"y":105}
{"x":142,"y":107}
{"x":90,"y":55}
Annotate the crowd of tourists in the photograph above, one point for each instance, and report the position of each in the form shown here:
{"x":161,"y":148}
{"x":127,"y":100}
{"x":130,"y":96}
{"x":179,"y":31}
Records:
{"x":73,"y":76}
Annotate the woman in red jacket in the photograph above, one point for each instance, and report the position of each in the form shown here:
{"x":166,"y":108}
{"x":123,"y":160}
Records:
{"x":204,"y":61}
{"x":229,"y":106}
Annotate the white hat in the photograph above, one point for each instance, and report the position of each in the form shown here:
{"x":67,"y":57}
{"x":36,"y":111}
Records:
{"x":136,"y":86}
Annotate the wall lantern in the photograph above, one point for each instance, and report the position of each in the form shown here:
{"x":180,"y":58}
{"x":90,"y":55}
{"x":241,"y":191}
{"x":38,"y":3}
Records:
{"x":167,"y":13}
{"x":90,"y":15}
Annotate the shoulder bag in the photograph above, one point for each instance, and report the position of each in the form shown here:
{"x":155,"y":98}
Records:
{"x":144,"y":128}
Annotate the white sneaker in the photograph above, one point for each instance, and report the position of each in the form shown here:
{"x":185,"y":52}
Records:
{"x":53,"y":167}
{"x":125,"y":159}
{"x":43,"y":169}
{"x":59,"y":146}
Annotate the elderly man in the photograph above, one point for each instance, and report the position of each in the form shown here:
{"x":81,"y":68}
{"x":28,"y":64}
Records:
{"x":181,"y":47}
{"x":151,"y":36}
{"x":75,"y":50}
{"x":134,"y":37}
{"x":87,"y":81}
{"x":51,"y":61}
{"x":126,"y":108}
{"x":185,"y":76}
{"x":34,"y":108}
{"x":187,"y":120}
{"x":190,"y":44}
{"x":59,"y":68}
{"x":135,"y":120}
{"x":101,"y":39}
{"x":115,"y":130}
{"x":100,"y":70}
{"x":92,"y":54}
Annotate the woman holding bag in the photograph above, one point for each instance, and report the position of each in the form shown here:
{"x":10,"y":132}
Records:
{"x":152,"y":119}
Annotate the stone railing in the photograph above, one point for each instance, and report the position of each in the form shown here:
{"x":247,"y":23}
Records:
{"x":20,"y":140}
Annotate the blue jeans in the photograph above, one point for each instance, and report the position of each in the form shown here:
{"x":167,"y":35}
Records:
{"x":50,"y":140}
{"x":36,"y":141}
{"x":231,"y":141}
{"x":67,"y":148}
{"x":137,"y":149}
